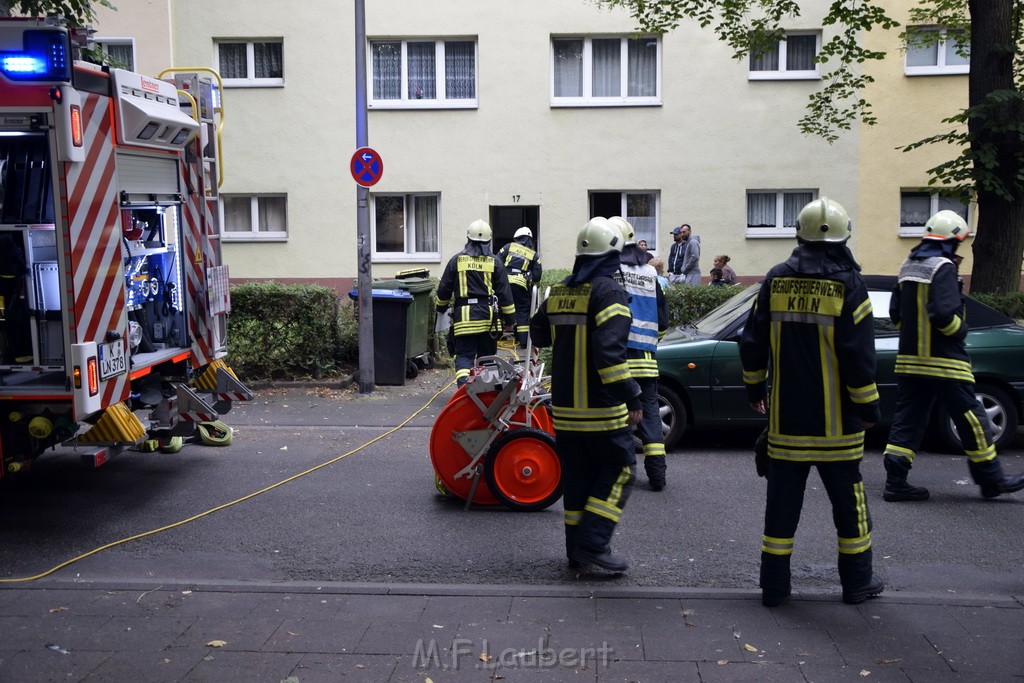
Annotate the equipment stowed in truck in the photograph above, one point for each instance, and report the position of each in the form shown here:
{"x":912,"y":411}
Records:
{"x":113,"y":296}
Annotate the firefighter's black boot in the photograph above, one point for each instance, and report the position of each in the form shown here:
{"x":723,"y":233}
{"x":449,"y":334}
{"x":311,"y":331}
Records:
{"x":655,"y":467}
{"x":859,"y":582}
{"x":775,"y":579}
{"x":992,"y":480}
{"x":591,"y":544}
{"x":570,"y":541}
{"x":871,"y":589}
{"x":896,"y":487}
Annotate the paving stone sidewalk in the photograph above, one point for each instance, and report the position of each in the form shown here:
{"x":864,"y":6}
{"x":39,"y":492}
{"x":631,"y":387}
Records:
{"x":299,"y":633}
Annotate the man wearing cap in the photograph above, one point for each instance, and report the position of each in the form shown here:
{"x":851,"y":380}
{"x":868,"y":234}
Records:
{"x":684,"y":257}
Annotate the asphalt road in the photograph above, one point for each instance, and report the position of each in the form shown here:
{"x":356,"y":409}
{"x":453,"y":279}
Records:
{"x":373,"y":515}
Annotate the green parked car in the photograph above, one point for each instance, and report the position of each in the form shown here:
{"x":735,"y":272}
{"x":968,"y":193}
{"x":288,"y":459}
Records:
{"x":701,"y":379}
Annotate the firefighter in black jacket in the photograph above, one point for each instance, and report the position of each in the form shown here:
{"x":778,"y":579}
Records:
{"x":474,"y":282}
{"x":522,"y":262}
{"x":594,"y":400}
{"x":932,"y":362}
{"x":811,"y":327}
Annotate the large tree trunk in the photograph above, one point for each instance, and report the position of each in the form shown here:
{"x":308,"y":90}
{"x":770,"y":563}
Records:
{"x":999,"y":243}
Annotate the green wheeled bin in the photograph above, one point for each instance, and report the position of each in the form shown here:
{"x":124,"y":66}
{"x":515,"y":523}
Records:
{"x":421,"y":317}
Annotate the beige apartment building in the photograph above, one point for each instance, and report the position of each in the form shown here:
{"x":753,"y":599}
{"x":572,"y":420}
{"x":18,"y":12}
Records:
{"x":533,"y":113}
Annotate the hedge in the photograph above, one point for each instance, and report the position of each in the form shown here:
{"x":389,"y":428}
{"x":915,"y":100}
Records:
{"x":685,"y":302}
{"x":278,"y":331}
{"x":295,"y":332}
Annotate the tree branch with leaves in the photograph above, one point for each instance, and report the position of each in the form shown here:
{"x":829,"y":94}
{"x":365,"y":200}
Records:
{"x":988,"y":135}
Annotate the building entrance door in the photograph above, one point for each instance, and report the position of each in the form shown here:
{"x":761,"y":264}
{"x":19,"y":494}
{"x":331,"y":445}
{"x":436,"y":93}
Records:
{"x":505,"y":220}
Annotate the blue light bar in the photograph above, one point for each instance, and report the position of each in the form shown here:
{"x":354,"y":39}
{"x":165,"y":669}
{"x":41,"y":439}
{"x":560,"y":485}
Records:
{"x":44,"y":57}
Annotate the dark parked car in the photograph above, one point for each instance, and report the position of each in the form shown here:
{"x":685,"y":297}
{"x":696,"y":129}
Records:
{"x":701,"y":379}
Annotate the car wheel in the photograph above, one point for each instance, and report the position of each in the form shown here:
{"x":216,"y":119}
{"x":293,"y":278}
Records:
{"x":1002,"y":415}
{"x":673,"y":415}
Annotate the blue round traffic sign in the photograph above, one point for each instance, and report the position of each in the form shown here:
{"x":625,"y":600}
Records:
{"x":367,"y":167}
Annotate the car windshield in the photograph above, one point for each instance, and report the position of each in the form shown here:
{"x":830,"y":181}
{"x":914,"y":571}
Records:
{"x":716,"y":320}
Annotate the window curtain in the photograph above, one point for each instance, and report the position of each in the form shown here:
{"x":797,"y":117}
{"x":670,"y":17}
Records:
{"x":953,"y":204}
{"x":460,"y":70}
{"x":643,"y":67}
{"x":792,"y":202}
{"x":769,"y":61}
{"x":231,"y":58}
{"x":124,"y":54}
{"x":957,"y":42}
{"x":800,"y":52}
{"x":425,"y":214}
{"x":568,"y":68}
{"x":237,"y":213}
{"x":922,"y":48}
{"x":269,"y":63}
{"x":422,"y":79}
{"x":761,"y":210}
{"x":387,"y":71}
{"x":607,"y":59}
{"x":271,"y":214}
{"x":641,"y":214}
{"x":389,"y":221}
{"x":915,"y":208}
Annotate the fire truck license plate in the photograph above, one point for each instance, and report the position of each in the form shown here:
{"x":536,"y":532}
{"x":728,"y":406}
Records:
{"x":112,"y":360}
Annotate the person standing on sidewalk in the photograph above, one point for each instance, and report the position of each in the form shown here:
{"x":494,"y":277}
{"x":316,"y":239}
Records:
{"x":932,"y":362}
{"x":522,"y":262}
{"x":594,"y":400}
{"x":676,"y":254}
{"x":474,"y":283}
{"x":649,"y":307}
{"x":811,"y":328}
{"x":684,"y":257}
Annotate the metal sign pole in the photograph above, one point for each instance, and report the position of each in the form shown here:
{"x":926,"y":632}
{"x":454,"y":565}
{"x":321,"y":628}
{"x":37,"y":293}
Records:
{"x":366,"y":374}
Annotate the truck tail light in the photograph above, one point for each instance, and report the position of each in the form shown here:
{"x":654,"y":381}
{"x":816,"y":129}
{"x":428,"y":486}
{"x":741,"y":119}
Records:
{"x":94,"y":375}
{"x":76,"y":125}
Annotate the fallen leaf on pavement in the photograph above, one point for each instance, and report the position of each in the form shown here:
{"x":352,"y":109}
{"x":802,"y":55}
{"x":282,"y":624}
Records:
{"x":723,"y":662}
{"x":864,"y":673}
{"x":58,"y":609}
{"x":217,"y":643}
{"x":749,"y":648}
{"x":484,"y":657}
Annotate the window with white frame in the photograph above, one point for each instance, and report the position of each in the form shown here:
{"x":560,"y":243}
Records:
{"x":605,"y":71}
{"x":426,"y":74}
{"x":120,"y":52}
{"x":405,"y":227}
{"x":254,"y":217}
{"x":937,"y":51}
{"x":791,"y":58}
{"x":639,"y":208}
{"x":250,"y":63}
{"x":773,"y":213}
{"x":917,"y":207}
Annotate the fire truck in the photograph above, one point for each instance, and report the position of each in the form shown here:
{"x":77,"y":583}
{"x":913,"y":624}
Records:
{"x":113,"y":296}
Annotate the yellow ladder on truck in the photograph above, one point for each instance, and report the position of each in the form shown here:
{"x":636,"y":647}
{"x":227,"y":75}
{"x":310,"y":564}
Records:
{"x":202,"y":87}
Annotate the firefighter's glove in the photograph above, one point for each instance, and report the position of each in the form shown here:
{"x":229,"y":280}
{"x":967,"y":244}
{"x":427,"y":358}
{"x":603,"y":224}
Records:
{"x":761,"y":454}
